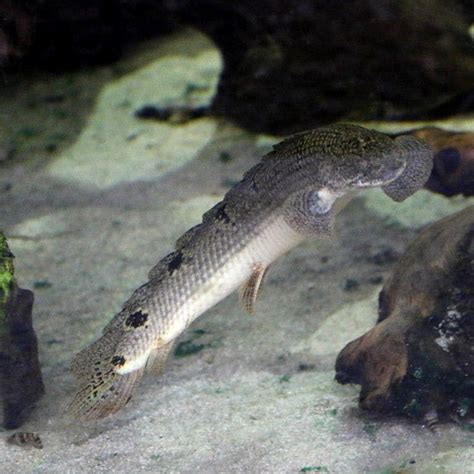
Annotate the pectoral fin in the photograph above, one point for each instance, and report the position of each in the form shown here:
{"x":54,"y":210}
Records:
{"x":157,"y":360}
{"x":249,"y":291}
{"x":311,"y":213}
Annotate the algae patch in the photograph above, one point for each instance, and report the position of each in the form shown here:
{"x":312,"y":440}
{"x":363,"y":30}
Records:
{"x":7,"y":278}
{"x":188,"y":347}
{"x":314,"y":469}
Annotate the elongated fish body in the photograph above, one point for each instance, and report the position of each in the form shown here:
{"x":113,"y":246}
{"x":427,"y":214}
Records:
{"x":293,"y":194}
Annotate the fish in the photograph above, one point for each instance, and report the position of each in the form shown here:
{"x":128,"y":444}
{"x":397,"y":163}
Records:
{"x":293,"y":194}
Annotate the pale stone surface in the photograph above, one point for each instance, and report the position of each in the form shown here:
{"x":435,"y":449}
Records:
{"x":145,"y":149}
{"x":421,"y":209}
{"x":347,"y":323}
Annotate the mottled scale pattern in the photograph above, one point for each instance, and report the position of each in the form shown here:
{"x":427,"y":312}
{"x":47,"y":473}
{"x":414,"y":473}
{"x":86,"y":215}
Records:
{"x":102,"y":389}
{"x":416,"y":172}
{"x":249,"y":226}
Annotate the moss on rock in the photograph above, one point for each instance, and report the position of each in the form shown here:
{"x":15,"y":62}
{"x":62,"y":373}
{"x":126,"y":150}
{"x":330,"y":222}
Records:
{"x":7,"y":278}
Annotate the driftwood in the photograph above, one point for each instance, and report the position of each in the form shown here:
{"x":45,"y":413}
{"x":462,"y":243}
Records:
{"x":419,"y":358}
{"x":21,"y":384}
{"x":453,"y":164}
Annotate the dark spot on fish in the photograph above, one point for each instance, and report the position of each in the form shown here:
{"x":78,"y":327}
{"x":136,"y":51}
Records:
{"x":448,"y":160}
{"x":136,"y":319}
{"x":118,"y":361}
{"x":175,"y":262}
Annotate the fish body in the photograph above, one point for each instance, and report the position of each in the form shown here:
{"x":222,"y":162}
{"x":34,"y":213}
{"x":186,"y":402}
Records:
{"x":292,"y":195}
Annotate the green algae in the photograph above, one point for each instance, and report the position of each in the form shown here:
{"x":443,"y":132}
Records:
{"x":314,"y":469}
{"x":403,"y":467}
{"x":225,"y":157}
{"x":370,"y":429}
{"x":42,"y":284}
{"x":187,"y":348}
{"x":7,"y":278}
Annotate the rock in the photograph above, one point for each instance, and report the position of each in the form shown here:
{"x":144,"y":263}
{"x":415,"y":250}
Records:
{"x":453,"y":170}
{"x":292,"y":67}
{"x":287,"y":66}
{"x":21,"y":384}
{"x":420,"y":355}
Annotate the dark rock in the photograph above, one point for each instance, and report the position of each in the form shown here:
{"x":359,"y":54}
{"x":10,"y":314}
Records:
{"x":21,"y":384}
{"x":286,"y":65}
{"x":419,"y":358}
{"x":56,"y":35}
{"x":453,"y":164}
{"x":291,"y":66}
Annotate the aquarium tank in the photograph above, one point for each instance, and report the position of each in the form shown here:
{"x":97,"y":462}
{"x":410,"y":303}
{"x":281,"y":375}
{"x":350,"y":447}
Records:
{"x":237,"y":237}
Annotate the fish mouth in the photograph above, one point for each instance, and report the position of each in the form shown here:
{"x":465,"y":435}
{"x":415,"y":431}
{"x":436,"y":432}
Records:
{"x":386,"y":178}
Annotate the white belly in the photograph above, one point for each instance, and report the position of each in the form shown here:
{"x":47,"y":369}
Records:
{"x":275,"y":240}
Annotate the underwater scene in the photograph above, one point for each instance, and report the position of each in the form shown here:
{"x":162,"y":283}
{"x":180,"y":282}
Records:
{"x":237,"y":237}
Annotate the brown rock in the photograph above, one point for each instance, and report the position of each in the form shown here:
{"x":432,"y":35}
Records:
{"x":420,"y":355}
{"x":21,"y":384}
{"x":453,"y":170}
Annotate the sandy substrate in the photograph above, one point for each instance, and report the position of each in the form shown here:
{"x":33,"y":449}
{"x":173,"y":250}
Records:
{"x":92,"y":197}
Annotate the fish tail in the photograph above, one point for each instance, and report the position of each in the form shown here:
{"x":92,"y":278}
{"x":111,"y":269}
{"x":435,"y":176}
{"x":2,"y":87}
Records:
{"x":93,"y":402}
{"x":102,"y":391}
